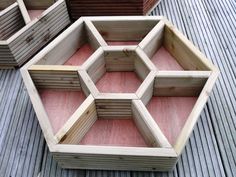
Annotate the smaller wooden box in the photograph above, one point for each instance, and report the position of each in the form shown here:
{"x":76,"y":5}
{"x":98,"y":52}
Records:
{"x":21,"y":38}
{"x":78,"y":8}
{"x":119,"y":93}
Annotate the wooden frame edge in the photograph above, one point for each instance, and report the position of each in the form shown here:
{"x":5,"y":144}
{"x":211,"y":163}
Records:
{"x":70,"y":123}
{"x":195,"y":113}
{"x":118,"y":96}
{"x":126,"y":18}
{"x":94,"y":32}
{"x":152,"y":36}
{"x":145,"y":91}
{"x":188,"y":44}
{"x":24,"y":11}
{"x":87,"y":84}
{"x":146,"y":60}
{"x":39,"y":109}
{"x":148,"y":124}
{"x":114,"y":150}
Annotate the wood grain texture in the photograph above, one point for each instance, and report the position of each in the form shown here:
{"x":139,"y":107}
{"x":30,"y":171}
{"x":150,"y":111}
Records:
{"x":184,"y":51}
{"x":123,"y":30}
{"x":171,"y":113}
{"x":122,"y":42}
{"x":26,"y":41}
{"x":119,"y":82}
{"x":164,"y":61}
{"x":79,"y":8}
{"x":11,"y":21}
{"x":115,"y":132}
{"x":80,"y":56}
{"x":60,"y":105}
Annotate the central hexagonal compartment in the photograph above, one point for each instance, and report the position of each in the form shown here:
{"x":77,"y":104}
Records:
{"x":118,"y":70}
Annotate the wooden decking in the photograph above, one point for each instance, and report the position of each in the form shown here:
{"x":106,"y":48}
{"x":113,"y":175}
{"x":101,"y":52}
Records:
{"x":211,"y":150}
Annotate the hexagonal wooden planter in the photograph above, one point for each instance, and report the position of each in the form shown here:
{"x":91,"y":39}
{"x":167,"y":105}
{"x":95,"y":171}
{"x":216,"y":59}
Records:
{"x":119,"y":93}
{"x":21,"y":38}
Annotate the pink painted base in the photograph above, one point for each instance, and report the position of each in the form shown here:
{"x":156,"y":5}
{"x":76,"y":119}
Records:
{"x":60,"y":105}
{"x":164,"y":61}
{"x":34,"y":13}
{"x":170,"y":113}
{"x":119,"y":82}
{"x":80,"y":56}
{"x":114,"y":132}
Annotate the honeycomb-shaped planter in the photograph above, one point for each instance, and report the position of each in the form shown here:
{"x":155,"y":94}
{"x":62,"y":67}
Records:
{"x":119,"y":93}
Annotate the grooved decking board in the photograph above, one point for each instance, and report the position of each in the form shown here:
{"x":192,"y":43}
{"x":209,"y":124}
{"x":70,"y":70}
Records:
{"x":119,"y":82}
{"x":60,"y":105}
{"x":115,"y":132}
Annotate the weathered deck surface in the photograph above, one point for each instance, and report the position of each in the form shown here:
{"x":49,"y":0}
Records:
{"x":211,"y":151}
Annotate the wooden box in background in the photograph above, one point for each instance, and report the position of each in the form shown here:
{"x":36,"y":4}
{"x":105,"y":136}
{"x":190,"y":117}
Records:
{"x":21,"y":37}
{"x":78,"y":8}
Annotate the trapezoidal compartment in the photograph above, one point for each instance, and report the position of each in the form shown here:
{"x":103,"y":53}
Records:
{"x":60,"y":91}
{"x":124,"y":32}
{"x":77,"y":45}
{"x":168,"y":50}
{"x":110,"y":122}
{"x":171,"y":98}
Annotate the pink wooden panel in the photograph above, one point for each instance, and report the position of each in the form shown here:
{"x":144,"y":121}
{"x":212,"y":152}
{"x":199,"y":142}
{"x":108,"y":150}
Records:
{"x":170,"y":113}
{"x":34,"y":13}
{"x":119,"y":82}
{"x":80,"y":56}
{"x":60,"y":105}
{"x":114,"y":132}
{"x":164,"y":61}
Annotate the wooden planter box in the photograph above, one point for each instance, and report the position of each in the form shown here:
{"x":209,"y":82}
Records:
{"x":30,"y":4}
{"x":21,"y":38}
{"x":119,"y":93}
{"x":78,"y":8}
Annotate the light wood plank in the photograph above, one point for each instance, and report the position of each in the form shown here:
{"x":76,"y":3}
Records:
{"x":73,"y":131}
{"x":154,"y":40}
{"x":24,"y":11}
{"x":180,"y":83}
{"x":197,"y":109}
{"x":148,"y":126}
